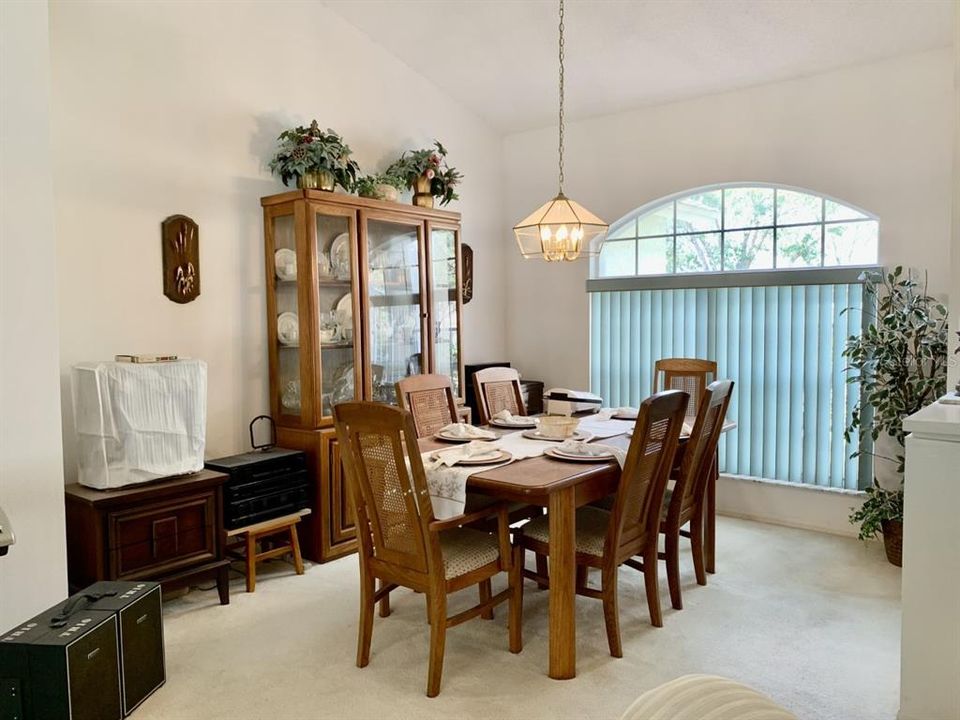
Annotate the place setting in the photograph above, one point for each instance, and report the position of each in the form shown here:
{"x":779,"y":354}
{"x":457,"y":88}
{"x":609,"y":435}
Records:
{"x":472,"y":453}
{"x":464,"y":433}
{"x":556,"y":429}
{"x":506,"y":419}
{"x":584,"y":452}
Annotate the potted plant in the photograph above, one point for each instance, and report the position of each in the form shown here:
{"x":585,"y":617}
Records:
{"x":316,"y":159}
{"x":900,"y":363}
{"x":882,"y":512}
{"x":426,"y":173}
{"x":380,"y":187}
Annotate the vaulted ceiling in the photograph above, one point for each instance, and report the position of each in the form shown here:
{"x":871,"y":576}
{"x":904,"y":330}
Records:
{"x":499,"y":57}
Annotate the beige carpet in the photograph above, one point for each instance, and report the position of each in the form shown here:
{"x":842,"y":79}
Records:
{"x":812,"y":620}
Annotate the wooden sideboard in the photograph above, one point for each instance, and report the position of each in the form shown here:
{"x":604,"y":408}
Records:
{"x":360,"y":293}
{"x":169,"y":531}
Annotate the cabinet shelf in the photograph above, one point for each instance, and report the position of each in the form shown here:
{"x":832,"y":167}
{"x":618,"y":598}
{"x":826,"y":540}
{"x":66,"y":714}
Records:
{"x":336,"y":346}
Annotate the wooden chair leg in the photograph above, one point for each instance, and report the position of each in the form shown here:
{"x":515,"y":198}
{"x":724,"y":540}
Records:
{"x":295,"y":547}
{"x":515,"y":620}
{"x":486,"y":592}
{"x":384,"y":602}
{"x":611,"y":611}
{"x":365,"y":630}
{"x":582,"y":571}
{"x":650,"y":564}
{"x":438,"y":635}
{"x":542,"y":569}
{"x":696,"y":547}
{"x":251,"y":562}
{"x":672,"y":544}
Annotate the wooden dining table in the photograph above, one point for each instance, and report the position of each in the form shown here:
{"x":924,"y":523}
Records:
{"x":561,"y":487}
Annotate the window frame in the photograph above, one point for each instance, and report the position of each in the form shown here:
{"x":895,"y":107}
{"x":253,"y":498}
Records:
{"x":634,"y":216}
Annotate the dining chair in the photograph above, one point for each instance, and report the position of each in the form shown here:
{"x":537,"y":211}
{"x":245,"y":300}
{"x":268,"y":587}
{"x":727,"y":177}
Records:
{"x":687,"y":374}
{"x":402,"y":544}
{"x":498,"y":388}
{"x":684,"y":502}
{"x":429,"y":398}
{"x":608,"y":539}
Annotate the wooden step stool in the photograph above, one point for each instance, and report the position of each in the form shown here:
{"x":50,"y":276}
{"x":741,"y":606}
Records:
{"x":263,"y":529}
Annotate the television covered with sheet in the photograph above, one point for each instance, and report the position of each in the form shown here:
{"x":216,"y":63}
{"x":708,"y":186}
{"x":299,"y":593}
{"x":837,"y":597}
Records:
{"x":138,"y":422}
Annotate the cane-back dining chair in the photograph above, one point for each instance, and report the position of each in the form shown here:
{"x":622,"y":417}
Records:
{"x":608,"y":539}
{"x":688,"y":374}
{"x":400,"y":541}
{"x":684,"y":502}
{"x":498,"y":388}
{"x":429,"y":398}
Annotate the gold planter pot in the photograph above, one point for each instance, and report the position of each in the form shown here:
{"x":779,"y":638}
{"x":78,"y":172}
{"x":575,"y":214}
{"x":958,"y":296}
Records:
{"x":422,"y":197}
{"x":317,"y":180}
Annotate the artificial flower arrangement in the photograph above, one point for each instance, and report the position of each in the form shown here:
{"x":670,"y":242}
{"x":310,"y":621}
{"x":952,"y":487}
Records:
{"x":426,"y":172}
{"x":314,"y":158}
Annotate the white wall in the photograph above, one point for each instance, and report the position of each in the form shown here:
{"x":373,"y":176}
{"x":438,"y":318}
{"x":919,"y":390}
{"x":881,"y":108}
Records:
{"x":170,"y":107}
{"x":33,"y":573}
{"x":872,"y":135}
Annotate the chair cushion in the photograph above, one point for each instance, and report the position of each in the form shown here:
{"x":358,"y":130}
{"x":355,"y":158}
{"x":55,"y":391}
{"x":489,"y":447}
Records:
{"x":592,"y":525}
{"x":464,"y":550}
{"x":704,"y":697}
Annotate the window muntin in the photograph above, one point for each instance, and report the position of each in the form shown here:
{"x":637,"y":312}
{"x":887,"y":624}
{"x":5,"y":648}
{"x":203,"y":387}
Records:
{"x":739,"y":227}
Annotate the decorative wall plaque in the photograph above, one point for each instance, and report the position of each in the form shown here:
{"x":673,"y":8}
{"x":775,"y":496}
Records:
{"x":181,"y":258}
{"x":466,"y":259}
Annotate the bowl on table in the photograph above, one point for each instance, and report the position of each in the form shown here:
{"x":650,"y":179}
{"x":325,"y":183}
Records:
{"x":558,"y":427}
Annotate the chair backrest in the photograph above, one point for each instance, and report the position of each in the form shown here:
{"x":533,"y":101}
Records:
{"x":701,"y":448}
{"x":498,"y":388}
{"x":687,"y":374}
{"x":643,"y":482}
{"x":390,"y":497}
{"x":429,"y":398}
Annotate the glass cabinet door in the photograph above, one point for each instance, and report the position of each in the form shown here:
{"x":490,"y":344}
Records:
{"x":393,"y":281}
{"x":445,"y":303}
{"x":333,"y":237}
{"x":284,"y":304}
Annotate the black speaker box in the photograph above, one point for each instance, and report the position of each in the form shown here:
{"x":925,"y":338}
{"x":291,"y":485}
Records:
{"x":105,"y":659}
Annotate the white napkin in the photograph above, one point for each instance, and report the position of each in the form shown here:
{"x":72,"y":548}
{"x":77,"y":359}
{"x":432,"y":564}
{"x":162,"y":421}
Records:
{"x":462,"y":430}
{"x":507,"y":417}
{"x":621,"y":413}
{"x":579,"y":447}
{"x":463,"y":452}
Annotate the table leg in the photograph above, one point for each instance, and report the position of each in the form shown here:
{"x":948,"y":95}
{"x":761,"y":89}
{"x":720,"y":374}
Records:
{"x":223,"y":584}
{"x":563,"y":563}
{"x":710,"y":518}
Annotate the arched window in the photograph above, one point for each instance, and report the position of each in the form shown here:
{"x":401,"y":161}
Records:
{"x":738,"y":227}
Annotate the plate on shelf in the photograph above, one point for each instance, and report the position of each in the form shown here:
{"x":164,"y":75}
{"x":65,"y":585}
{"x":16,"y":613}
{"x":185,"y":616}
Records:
{"x":557,"y":454}
{"x":340,"y":256}
{"x":285,"y":264}
{"x":288,"y":328}
{"x":489,"y":458}
{"x":538,"y":435}
{"x":344,"y":310}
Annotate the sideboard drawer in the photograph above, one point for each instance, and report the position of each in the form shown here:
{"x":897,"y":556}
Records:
{"x":162,"y":535}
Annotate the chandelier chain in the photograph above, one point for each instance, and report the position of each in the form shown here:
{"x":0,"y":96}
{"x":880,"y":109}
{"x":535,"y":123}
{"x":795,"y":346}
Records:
{"x":560,"y":144}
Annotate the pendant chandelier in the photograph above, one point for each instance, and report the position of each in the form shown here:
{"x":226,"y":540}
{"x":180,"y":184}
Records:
{"x":561,"y":229}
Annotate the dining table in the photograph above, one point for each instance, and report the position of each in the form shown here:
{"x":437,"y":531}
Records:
{"x":562,"y":487}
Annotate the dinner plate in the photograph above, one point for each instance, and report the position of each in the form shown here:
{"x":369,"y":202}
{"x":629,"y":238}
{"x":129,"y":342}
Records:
{"x":558,"y":455}
{"x":621,"y":416}
{"x":531,"y":423}
{"x":340,"y":256}
{"x":453,"y":438}
{"x":491,"y":458}
{"x":288,"y":328}
{"x":344,"y":310}
{"x":536,"y":435}
{"x":285,"y":264}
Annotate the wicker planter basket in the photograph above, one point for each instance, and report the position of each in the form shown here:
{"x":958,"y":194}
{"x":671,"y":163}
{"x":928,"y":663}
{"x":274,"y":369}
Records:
{"x":893,"y":540}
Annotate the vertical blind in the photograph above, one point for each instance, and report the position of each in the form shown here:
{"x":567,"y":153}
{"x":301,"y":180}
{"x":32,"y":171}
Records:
{"x":781,"y":345}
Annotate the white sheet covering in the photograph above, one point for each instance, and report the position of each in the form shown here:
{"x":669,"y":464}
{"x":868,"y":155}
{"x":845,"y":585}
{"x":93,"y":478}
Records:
{"x":138,"y":422}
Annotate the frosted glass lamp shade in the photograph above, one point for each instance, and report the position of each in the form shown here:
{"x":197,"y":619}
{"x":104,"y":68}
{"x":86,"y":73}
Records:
{"x":559,"y":230}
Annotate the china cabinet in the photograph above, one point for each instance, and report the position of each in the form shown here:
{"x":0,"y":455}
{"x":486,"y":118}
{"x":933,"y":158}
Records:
{"x":360,"y":293}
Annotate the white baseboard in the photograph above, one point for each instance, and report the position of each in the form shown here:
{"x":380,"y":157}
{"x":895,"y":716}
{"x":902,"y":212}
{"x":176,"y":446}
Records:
{"x":800,"y":506}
